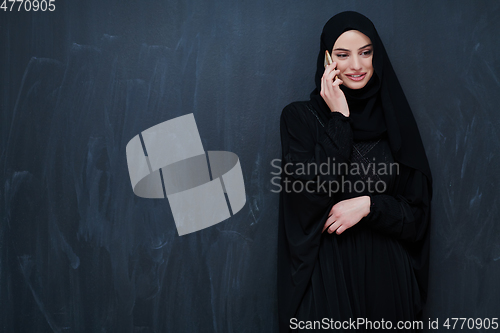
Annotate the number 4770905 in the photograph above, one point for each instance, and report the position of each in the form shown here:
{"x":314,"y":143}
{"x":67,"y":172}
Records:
{"x":28,"y":5}
{"x":471,"y":323}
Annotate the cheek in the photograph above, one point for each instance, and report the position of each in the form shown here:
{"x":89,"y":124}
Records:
{"x":342,"y":67}
{"x":368,"y":64}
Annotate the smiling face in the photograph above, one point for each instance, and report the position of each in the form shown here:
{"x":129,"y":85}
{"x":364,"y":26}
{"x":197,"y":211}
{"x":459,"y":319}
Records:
{"x":353,"y":52}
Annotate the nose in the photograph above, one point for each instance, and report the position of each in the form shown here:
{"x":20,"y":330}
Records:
{"x":355,"y":63}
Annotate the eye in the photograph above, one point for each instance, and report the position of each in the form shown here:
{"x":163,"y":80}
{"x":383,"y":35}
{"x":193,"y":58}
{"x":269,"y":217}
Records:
{"x":367,"y":53}
{"x":342,"y":55}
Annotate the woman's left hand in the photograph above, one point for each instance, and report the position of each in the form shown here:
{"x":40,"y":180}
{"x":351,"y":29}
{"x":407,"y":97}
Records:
{"x":347,"y":213}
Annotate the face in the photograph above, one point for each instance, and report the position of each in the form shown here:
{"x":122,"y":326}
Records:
{"x":353,"y":52}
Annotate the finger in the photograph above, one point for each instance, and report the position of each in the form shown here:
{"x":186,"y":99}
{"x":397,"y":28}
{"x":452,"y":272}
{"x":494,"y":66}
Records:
{"x":322,"y":85}
{"x":333,"y":227}
{"x":329,"y":69}
{"x":329,"y":221}
{"x":330,"y":75}
{"x":337,"y":82}
{"x":333,"y":69}
{"x":332,"y":65}
{"x":340,"y":229}
{"x":335,"y":74}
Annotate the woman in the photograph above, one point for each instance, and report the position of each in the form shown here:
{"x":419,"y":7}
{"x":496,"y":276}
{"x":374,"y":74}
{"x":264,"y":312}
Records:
{"x":356,"y":191}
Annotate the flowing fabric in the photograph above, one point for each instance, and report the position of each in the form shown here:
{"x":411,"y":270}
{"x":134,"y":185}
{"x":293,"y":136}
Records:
{"x":383,"y":96}
{"x":378,"y":268}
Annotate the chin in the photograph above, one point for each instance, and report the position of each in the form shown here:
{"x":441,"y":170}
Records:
{"x":357,"y":85}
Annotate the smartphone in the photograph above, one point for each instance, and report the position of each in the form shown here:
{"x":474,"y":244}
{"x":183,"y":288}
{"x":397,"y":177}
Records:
{"x":328,"y":61}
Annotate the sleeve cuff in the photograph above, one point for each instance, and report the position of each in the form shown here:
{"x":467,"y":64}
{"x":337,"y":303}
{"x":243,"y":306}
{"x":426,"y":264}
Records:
{"x":339,"y":115}
{"x":373,"y":205}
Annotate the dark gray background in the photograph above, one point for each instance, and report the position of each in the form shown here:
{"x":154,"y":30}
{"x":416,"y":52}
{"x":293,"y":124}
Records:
{"x":80,"y":253}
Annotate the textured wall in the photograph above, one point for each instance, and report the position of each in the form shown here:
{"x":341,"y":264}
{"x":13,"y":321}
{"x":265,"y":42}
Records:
{"x":80,"y":253}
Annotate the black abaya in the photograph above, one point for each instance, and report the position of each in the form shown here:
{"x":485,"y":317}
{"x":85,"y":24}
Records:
{"x":368,"y":270}
{"x":379,"y":267}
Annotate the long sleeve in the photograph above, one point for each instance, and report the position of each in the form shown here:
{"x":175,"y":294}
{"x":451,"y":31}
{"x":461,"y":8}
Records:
{"x":404,"y":216}
{"x":306,"y":143}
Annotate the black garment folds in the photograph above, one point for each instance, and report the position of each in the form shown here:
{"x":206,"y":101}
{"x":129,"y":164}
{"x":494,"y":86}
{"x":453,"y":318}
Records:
{"x":379,"y":267}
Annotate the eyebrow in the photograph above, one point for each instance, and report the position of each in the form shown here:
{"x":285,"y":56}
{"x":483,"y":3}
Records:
{"x":362,"y":47}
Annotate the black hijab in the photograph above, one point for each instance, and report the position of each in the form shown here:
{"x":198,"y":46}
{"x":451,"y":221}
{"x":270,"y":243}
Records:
{"x":380,"y":107}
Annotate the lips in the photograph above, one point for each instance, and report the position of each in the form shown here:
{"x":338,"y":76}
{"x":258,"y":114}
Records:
{"x":356,"y":77}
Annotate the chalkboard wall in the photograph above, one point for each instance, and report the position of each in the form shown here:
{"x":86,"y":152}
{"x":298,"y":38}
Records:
{"x":79,"y":252}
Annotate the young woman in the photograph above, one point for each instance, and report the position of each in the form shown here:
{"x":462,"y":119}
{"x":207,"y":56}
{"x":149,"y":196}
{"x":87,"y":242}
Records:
{"x":356,"y":192}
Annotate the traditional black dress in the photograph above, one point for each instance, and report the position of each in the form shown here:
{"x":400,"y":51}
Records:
{"x":377,"y":269}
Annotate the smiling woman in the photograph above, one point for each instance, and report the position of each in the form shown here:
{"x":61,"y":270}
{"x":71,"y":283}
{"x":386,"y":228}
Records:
{"x":353,"y":52}
{"x":355,"y":253}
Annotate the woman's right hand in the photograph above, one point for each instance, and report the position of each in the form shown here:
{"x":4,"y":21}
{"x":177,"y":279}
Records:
{"x":331,"y":92}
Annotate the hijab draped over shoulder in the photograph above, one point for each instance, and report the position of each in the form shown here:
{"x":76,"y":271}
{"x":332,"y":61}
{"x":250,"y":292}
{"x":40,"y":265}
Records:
{"x":380,"y":106}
